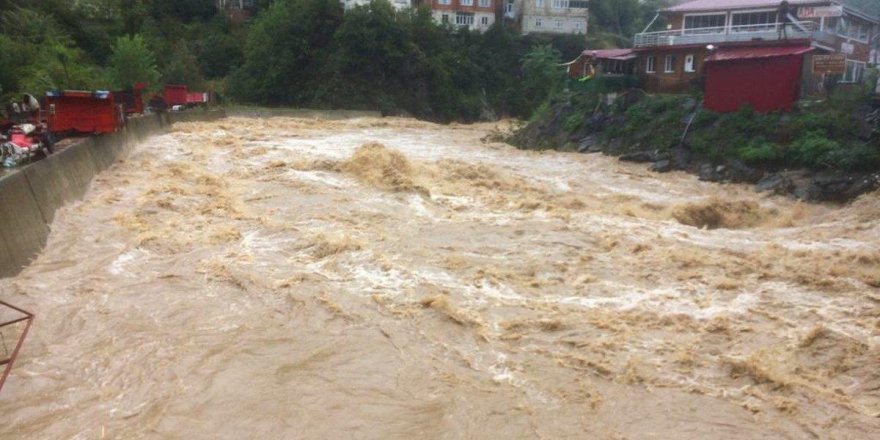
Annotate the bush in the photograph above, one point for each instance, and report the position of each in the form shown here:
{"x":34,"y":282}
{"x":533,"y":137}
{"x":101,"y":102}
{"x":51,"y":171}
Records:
{"x":760,"y":151}
{"x":815,"y":150}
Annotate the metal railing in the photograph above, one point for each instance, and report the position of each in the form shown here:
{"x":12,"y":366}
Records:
{"x":7,"y":358}
{"x":724,"y":34}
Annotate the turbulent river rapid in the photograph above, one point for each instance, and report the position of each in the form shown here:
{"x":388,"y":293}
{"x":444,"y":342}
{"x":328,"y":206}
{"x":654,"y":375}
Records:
{"x":388,"y":278}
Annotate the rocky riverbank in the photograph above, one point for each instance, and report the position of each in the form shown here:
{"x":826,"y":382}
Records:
{"x":634,"y":129}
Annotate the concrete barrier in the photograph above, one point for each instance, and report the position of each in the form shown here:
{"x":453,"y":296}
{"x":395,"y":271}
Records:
{"x":23,"y":229}
{"x":30,"y":196}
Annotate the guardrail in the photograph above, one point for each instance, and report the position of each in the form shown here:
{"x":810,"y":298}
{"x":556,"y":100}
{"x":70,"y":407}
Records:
{"x":725,"y":34}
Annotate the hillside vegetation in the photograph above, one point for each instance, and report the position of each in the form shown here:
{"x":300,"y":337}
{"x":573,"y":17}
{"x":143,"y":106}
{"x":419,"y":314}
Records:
{"x":294,"y":53}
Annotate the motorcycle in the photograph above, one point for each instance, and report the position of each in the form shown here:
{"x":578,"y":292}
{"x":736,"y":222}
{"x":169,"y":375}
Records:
{"x":27,"y":138}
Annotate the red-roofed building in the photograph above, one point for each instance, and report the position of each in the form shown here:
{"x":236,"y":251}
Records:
{"x":700,"y":33}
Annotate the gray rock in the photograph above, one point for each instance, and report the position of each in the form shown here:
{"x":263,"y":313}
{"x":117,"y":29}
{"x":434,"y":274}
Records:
{"x":638,"y":156}
{"x":588,"y":143}
{"x":776,"y":183}
{"x":662,"y":166}
{"x":708,"y":173}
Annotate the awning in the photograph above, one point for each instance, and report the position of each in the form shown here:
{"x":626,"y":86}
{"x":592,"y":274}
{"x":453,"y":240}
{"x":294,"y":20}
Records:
{"x":748,"y":53}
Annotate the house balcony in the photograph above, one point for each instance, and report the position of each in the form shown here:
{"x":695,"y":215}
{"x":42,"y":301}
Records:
{"x":802,"y":30}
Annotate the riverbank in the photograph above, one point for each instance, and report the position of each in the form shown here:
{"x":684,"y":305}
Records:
{"x":820,"y":152}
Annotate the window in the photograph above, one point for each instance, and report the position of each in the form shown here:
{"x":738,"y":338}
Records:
{"x":560,"y":4}
{"x":445,"y":2}
{"x":463,"y":19}
{"x":847,"y":27}
{"x":578,"y":4}
{"x":705,"y":24}
{"x":855,"y":72}
{"x":753,"y":21}
{"x":484,"y":21}
{"x":466,"y":2}
{"x":689,"y":64}
{"x":445,"y":18}
{"x":651,"y":64}
{"x":669,"y":67}
{"x":558,"y":24}
{"x":484,"y":3}
{"x":539,"y":3}
{"x":538,"y":22}
{"x":510,"y":6}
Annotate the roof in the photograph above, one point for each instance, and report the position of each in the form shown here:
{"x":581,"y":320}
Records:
{"x":748,"y":53}
{"x":714,"y":5}
{"x":727,"y":5}
{"x":610,"y":54}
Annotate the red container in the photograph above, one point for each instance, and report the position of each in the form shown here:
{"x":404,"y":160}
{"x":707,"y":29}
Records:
{"x":82,"y":112}
{"x":175,"y":95}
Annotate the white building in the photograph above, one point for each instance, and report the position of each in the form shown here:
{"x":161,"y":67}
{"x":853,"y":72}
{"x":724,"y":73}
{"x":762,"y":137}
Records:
{"x":398,"y":4}
{"x":554,"y":16}
{"x":475,"y":15}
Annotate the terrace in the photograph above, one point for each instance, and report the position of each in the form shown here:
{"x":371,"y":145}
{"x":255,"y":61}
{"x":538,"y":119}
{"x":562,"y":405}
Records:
{"x":806,"y":30}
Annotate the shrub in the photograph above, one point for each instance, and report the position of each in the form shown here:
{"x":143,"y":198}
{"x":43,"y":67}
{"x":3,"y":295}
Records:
{"x":760,"y":151}
{"x":814,"y":150}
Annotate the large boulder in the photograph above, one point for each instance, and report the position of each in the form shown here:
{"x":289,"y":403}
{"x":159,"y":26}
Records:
{"x":777,"y":183}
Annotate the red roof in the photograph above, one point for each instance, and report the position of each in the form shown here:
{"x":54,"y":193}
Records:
{"x":610,"y":54}
{"x":748,"y":53}
{"x":715,"y":5}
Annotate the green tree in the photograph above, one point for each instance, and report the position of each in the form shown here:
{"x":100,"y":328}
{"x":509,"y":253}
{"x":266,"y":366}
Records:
{"x":132,"y":62}
{"x":542,"y":73}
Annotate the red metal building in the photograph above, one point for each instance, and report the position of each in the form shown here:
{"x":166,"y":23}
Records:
{"x":766,"y":78}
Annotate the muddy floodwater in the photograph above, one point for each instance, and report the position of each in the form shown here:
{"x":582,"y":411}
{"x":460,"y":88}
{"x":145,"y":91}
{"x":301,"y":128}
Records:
{"x":388,"y":278}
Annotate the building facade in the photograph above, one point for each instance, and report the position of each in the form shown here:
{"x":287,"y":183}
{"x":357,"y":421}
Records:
{"x":703,"y":31}
{"x":237,"y":10}
{"x":552,"y":16}
{"x":398,"y":4}
{"x":474,"y":15}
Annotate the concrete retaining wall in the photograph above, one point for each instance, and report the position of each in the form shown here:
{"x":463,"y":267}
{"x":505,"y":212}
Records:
{"x":30,"y":196}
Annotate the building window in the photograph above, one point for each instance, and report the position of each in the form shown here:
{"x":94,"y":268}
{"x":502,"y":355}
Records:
{"x":539,"y":3}
{"x":753,"y":21}
{"x":689,"y":64}
{"x":484,"y":21}
{"x":445,"y":18}
{"x":669,"y":67}
{"x":510,"y":6}
{"x":651,"y":64}
{"x":484,"y":3}
{"x":560,"y":4}
{"x":705,"y":24}
{"x":466,"y":2}
{"x":463,"y":19}
{"x":538,"y":22}
{"x":847,"y":27}
{"x":855,"y":72}
{"x":445,"y":2}
{"x":558,"y":24}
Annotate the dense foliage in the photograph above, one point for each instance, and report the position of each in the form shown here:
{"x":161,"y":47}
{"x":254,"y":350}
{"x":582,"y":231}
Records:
{"x":291,"y":52}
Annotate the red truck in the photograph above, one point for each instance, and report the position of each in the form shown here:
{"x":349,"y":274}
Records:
{"x":179,"y":97}
{"x":75,"y":111}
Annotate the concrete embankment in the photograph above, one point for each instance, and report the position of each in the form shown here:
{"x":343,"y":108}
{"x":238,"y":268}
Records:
{"x":30,"y":196}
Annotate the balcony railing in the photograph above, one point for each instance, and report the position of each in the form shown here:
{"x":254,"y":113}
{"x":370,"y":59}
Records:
{"x":770,"y":31}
